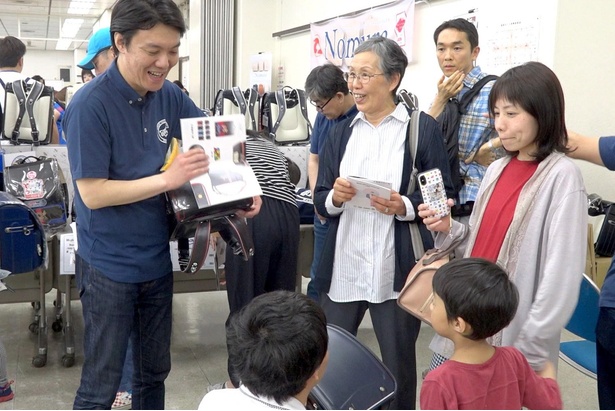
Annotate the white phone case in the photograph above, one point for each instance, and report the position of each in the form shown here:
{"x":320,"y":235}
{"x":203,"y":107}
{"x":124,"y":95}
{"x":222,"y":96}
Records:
{"x":433,"y":192}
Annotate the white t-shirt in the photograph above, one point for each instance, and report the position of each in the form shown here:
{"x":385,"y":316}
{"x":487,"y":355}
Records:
{"x":241,"y":398}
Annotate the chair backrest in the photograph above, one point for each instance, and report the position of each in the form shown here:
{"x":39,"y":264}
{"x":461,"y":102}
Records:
{"x":355,"y":378}
{"x":585,"y":316}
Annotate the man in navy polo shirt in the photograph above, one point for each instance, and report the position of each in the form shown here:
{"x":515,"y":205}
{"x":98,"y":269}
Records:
{"x":118,"y":129}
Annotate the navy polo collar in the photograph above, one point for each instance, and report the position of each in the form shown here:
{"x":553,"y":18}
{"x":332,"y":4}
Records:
{"x":126,"y":91}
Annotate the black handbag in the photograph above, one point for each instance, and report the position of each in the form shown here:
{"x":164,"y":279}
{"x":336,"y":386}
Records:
{"x":605,"y":243}
{"x":187,"y":220}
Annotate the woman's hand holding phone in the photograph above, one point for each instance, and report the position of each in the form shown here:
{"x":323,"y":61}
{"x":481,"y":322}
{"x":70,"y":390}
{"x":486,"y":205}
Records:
{"x":436,"y":208}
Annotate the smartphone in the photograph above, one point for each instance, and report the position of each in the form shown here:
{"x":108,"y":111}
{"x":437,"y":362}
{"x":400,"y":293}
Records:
{"x":433,"y":192}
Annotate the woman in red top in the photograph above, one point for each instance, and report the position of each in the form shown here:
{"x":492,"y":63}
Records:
{"x":530,"y":215}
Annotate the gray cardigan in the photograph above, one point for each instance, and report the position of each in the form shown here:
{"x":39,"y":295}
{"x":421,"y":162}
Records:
{"x":544,"y":252}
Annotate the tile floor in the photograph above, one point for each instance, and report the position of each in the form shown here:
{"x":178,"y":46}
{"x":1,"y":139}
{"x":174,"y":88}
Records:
{"x":198,"y":356}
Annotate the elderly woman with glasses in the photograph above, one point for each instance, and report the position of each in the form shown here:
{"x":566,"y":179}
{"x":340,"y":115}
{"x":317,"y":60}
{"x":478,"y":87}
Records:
{"x":368,"y":252}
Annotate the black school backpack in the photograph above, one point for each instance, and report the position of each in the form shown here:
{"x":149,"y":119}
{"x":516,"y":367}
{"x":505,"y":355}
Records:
{"x":449,"y":121}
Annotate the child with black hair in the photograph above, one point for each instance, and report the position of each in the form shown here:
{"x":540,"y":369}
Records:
{"x":278,"y":346}
{"x":473,"y":300}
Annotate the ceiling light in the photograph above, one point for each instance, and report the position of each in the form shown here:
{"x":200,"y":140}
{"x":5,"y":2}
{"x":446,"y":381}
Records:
{"x":70,"y":28}
{"x":80,"y":6}
{"x":63,"y":44}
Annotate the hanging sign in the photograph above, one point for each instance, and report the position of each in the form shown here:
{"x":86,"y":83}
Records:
{"x":334,"y":40}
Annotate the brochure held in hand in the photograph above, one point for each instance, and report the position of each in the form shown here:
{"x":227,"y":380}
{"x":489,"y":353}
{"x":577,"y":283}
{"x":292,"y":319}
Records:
{"x":367,"y":188}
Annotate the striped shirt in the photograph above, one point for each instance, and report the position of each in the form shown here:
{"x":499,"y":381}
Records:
{"x":475,"y":129}
{"x":364,"y":267}
{"x":270,"y":168}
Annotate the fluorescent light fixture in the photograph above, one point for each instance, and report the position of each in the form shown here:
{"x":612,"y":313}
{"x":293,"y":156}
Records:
{"x":63,"y":44}
{"x":80,"y":6}
{"x":68,"y":32}
{"x":70,"y":28}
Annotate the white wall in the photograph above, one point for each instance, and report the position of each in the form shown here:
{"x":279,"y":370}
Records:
{"x":195,"y":50}
{"x":255,"y":21}
{"x":47,"y":64}
{"x":584,"y":61}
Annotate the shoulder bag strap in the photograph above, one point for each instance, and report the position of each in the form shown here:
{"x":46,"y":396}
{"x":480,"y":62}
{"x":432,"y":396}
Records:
{"x":469,"y":96}
{"x":436,"y":254}
{"x":413,"y":142}
{"x":473,"y":92}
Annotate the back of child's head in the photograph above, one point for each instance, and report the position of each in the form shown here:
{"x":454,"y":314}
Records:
{"x":294,"y":171}
{"x":479,"y":292}
{"x":277,"y":342}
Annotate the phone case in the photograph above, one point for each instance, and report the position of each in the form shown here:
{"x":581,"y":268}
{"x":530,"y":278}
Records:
{"x":433,"y":192}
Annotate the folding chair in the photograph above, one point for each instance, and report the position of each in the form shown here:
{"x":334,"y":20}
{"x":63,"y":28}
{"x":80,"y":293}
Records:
{"x":355,"y":378}
{"x":581,"y":354}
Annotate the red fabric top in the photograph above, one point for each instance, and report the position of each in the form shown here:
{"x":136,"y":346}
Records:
{"x":505,"y":381}
{"x":501,"y":208}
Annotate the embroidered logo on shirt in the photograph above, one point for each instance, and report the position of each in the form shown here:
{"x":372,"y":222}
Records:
{"x":163,"y":130}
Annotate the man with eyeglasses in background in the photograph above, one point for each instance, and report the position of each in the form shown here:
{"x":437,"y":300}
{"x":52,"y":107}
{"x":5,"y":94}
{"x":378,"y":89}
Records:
{"x":328,"y":92}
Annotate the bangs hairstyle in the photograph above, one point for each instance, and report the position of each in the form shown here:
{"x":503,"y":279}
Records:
{"x":536,"y":89}
{"x":478,"y":291}
{"x":392,"y":57}
{"x":129,"y":16}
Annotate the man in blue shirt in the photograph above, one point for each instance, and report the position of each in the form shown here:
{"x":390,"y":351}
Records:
{"x":601,"y":151}
{"x":118,"y":130}
{"x":328,"y":92}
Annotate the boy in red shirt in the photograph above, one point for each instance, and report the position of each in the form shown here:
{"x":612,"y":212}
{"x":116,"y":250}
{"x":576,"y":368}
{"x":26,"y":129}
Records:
{"x":473,"y":300}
